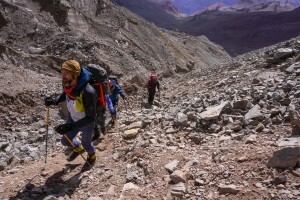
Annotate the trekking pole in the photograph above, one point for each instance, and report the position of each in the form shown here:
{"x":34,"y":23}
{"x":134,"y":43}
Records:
{"x":73,"y":145}
{"x":47,"y":131}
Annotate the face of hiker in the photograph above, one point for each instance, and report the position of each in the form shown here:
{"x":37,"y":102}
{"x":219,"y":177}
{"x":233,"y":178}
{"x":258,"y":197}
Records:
{"x":68,"y":78}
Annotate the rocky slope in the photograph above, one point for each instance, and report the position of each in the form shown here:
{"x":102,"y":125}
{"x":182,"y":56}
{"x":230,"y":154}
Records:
{"x":228,"y":131}
{"x":37,"y":36}
{"x":219,"y":133}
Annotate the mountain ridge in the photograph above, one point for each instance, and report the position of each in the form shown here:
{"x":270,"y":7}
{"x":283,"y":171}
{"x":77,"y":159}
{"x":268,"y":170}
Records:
{"x":232,"y":30}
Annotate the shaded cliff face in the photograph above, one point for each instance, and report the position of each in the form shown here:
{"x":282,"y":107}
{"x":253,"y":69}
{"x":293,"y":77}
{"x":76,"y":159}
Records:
{"x":241,"y":32}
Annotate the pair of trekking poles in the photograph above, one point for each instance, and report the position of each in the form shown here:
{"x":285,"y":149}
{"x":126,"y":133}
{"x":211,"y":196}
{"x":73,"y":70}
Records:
{"x":65,"y":136}
{"x":47,"y":134}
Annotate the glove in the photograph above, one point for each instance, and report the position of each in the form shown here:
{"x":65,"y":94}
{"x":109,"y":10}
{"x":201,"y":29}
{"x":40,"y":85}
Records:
{"x":49,"y":101}
{"x":64,"y":128}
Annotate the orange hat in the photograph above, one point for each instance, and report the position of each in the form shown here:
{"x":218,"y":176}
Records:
{"x":72,"y":66}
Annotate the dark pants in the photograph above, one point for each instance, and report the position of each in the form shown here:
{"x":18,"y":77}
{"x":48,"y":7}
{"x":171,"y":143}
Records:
{"x":151,"y":97}
{"x":86,"y":140}
{"x":101,"y":116}
{"x":115,"y":104}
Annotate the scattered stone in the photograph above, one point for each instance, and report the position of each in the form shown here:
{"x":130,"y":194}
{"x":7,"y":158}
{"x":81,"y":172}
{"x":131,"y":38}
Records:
{"x":178,"y":176}
{"x":171,"y":166}
{"x":230,"y":189}
{"x":130,"y":134}
{"x":94,"y":198}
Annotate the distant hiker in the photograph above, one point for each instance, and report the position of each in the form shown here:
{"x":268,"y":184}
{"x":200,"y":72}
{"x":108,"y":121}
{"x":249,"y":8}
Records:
{"x":115,"y":91}
{"x":152,"y":84}
{"x":98,"y":79}
{"x":81,"y":100}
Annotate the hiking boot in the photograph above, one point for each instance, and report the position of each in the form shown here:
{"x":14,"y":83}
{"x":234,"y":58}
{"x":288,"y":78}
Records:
{"x":75,"y":153}
{"x":96,"y":135}
{"x":90,"y":162}
{"x":113,"y":121}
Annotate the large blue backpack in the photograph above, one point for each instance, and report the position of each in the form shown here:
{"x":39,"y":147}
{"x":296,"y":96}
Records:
{"x":98,"y":79}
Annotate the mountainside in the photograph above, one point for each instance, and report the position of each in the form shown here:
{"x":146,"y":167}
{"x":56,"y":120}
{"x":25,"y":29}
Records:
{"x":241,"y":32}
{"x":229,"y":132}
{"x":151,"y":11}
{"x":37,"y":36}
{"x":193,"y":6}
{"x":249,"y":3}
{"x":220,"y":129}
{"x":265,"y":5}
{"x":196,"y":6}
{"x":216,"y":6}
{"x":238,"y":31}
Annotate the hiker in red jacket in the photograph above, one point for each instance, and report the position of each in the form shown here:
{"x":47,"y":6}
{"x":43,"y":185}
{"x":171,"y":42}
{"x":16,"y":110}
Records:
{"x":151,"y":86}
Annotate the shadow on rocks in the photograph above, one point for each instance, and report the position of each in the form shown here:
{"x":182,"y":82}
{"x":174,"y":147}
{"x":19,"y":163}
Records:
{"x":55,"y":186}
{"x":295,"y":131}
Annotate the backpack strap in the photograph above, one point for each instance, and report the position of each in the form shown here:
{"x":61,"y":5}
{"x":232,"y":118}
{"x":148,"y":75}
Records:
{"x":101,"y":98}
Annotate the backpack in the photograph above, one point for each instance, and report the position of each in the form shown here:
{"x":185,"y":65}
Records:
{"x":113,"y":79}
{"x":152,"y":83}
{"x":98,"y":74}
{"x":98,"y":77}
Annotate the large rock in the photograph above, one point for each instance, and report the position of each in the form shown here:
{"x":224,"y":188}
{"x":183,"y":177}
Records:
{"x":285,"y":158}
{"x":241,"y":104}
{"x":182,"y":119}
{"x":254,"y":113}
{"x":294,"y":116}
{"x":134,"y":125}
{"x":130,"y":134}
{"x":293,"y":68}
{"x":213,"y":112}
{"x":283,"y":53}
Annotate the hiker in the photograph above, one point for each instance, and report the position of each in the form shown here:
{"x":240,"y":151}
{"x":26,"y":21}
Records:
{"x":98,"y":79}
{"x":101,"y":116}
{"x":80,"y":97}
{"x":152,"y":84}
{"x":115,"y":91}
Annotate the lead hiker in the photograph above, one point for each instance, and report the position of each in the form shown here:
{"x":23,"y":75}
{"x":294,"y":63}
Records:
{"x":152,"y":84}
{"x":115,"y":91}
{"x":80,"y":97}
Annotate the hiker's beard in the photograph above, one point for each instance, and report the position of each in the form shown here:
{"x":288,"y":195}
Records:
{"x":68,"y":83}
